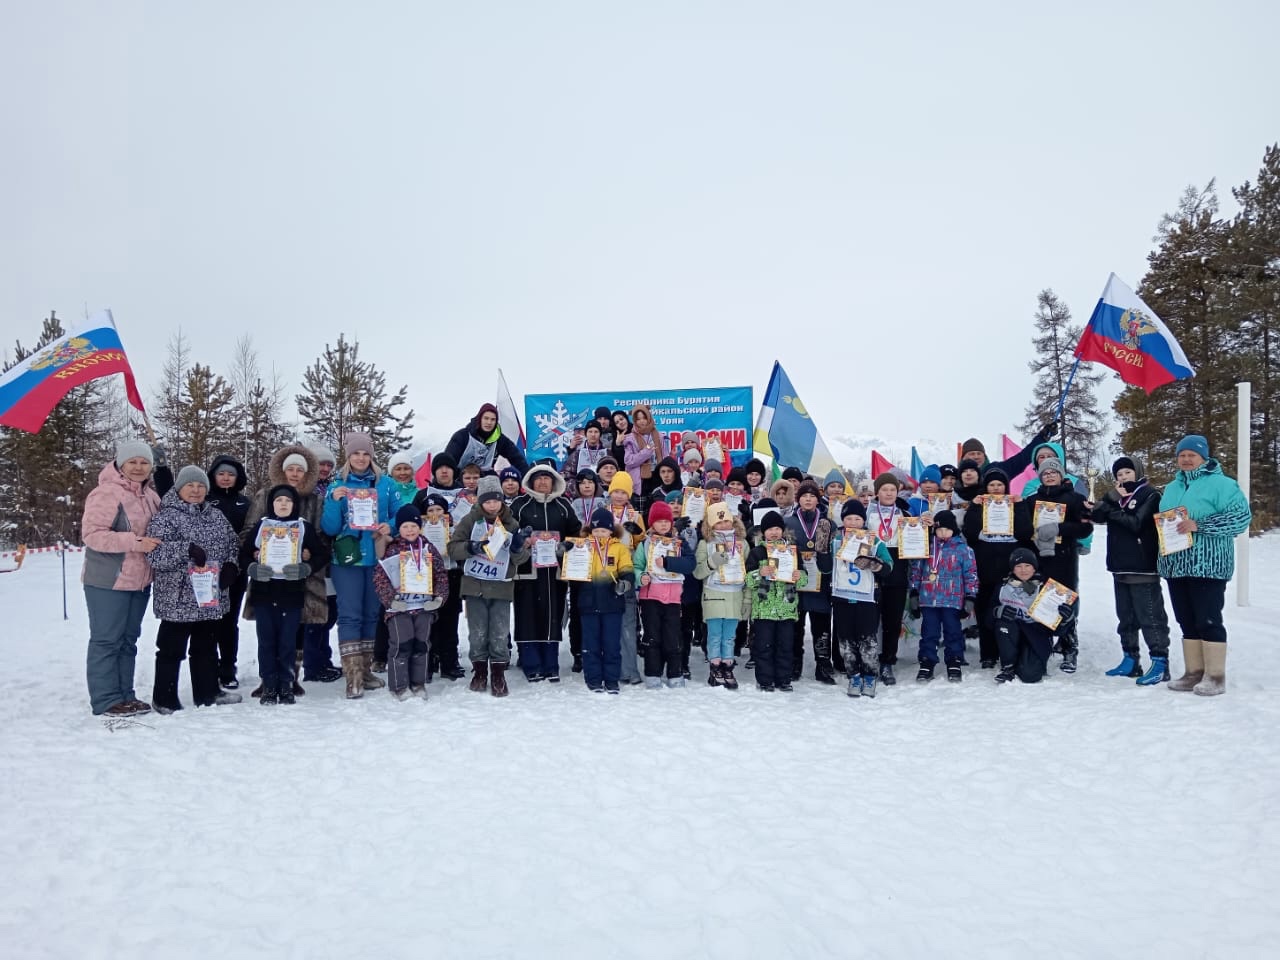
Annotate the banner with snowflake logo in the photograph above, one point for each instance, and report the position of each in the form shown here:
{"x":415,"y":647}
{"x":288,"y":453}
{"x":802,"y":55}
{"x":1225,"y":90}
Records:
{"x":721,"y":412}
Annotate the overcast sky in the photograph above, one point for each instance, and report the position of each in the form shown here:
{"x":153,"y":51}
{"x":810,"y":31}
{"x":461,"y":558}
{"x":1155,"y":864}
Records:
{"x":600,"y":195}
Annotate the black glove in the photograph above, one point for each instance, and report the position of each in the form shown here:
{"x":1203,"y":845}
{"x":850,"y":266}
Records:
{"x":197,"y":554}
{"x":1008,"y":613}
{"x":260,"y":572}
{"x":622,"y":587}
{"x":682,"y":524}
{"x":159,"y":457}
{"x":1049,"y":429}
{"x":475,"y":548}
{"x":632,"y":528}
{"x":1066,"y":611}
{"x":296,"y":571}
{"x":519,"y":537}
{"x":862,"y":563}
{"x":913,"y":604}
{"x":561,"y":547}
{"x":228,"y":575}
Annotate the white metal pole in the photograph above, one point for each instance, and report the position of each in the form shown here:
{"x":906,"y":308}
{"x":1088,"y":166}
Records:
{"x":1243,"y":414}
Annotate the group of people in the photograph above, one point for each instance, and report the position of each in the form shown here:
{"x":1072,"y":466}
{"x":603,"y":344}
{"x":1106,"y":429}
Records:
{"x":646,"y":554}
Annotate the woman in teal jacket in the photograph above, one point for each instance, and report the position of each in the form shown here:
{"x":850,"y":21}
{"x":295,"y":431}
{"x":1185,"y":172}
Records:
{"x":1217,"y":512}
{"x":354,"y":556}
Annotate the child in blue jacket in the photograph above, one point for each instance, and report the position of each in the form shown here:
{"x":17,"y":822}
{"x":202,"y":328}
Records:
{"x":941,"y":588}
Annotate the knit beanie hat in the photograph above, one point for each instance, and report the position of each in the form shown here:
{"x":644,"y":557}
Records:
{"x":711,"y":465}
{"x":660,"y":511}
{"x":968,"y":463}
{"x":771,"y":520}
{"x":603,"y":460}
{"x":1023,"y":555}
{"x":509,"y":473}
{"x":1049,"y":464}
{"x":946,"y":519}
{"x":948,"y":470}
{"x":884,"y":480}
{"x":443,"y":460}
{"x":602,"y":519}
{"x":793,"y":473}
{"x":737,"y":475}
{"x":765,"y":502}
{"x":853,"y":505}
{"x":127,"y":450}
{"x":601,"y":412}
{"x":408,"y":514}
{"x":191,"y":474}
{"x":865,"y":486}
{"x":1125,"y":463}
{"x":995,"y":473}
{"x":754,"y":465}
{"x":713,"y":484}
{"x":586,"y":473}
{"x":692,"y":455}
{"x":294,"y":460}
{"x":226,"y":466}
{"x":718,"y":513}
{"x":357,"y":442}
{"x":592,"y":425}
{"x":323,"y":454}
{"x":399,"y":457}
{"x":435,"y":500}
{"x":972,"y":445}
{"x":622,"y":481}
{"x":808,"y":487}
{"x":1195,"y":443}
{"x":931,"y":474}
{"x":282,"y":490}
{"x":489,"y":488}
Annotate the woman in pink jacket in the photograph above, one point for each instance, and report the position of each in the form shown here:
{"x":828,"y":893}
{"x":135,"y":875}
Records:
{"x":116,"y":576}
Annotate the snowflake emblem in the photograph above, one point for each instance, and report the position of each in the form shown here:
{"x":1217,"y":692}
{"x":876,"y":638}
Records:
{"x":555,"y":429}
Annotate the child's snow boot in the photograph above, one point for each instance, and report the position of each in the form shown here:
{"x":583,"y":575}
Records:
{"x":727,"y":678}
{"x":1157,"y":673}
{"x":925,"y":673}
{"x":1128,"y":667}
{"x":869,"y":685}
{"x":855,"y":686}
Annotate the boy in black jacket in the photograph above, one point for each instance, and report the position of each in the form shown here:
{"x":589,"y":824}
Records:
{"x":278,"y":594}
{"x":1056,"y":541}
{"x":1025,"y":644}
{"x":1129,"y":512}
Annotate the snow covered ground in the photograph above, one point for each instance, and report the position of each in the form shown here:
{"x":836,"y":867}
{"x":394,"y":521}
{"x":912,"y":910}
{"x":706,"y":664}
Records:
{"x":1084,"y":817}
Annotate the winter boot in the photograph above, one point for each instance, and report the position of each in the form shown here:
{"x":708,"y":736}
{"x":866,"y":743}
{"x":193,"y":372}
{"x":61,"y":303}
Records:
{"x":418,"y":690}
{"x":855,"y":686}
{"x":925,"y":673}
{"x":371,"y":680}
{"x":286,"y":695}
{"x":1070,"y":651}
{"x":499,"y":686}
{"x":226,"y":698}
{"x":256,"y":691}
{"x":713,"y":675}
{"x":886,"y":675}
{"x":822,"y":672}
{"x":954,"y":675}
{"x":869,"y":685}
{"x":1193,"y":672}
{"x":728,"y":679}
{"x":268,"y":698}
{"x":1159,"y":673}
{"x":1128,"y":667}
{"x":1006,"y":675}
{"x":653,"y":683}
{"x":401,"y":694}
{"x":352,"y":668}
{"x":1214,"y":681}
{"x":379,"y":666}
{"x":479,"y":676}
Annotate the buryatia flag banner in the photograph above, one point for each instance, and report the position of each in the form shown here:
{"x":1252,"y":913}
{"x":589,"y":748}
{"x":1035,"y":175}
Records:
{"x":90,"y":349}
{"x":508,"y":418}
{"x":1127,"y":336}
{"x":917,"y":465}
{"x":1009,"y":450}
{"x":786,"y":432}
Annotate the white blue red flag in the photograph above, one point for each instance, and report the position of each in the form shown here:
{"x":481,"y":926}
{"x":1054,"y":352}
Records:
{"x":1127,"y":336}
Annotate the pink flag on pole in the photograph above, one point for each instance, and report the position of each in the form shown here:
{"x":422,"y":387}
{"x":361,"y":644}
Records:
{"x":1011,"y":449}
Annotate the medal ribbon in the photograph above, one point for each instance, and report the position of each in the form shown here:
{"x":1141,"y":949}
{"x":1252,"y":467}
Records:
{"x":808,"y":533}
{"x":886,"y":529}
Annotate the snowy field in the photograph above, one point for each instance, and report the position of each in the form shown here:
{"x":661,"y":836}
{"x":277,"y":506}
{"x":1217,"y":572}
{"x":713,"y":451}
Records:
{"x":1084,"y":817}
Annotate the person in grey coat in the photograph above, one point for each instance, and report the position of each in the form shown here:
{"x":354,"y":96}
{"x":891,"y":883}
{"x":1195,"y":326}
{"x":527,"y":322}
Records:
{"x":193,"y":567}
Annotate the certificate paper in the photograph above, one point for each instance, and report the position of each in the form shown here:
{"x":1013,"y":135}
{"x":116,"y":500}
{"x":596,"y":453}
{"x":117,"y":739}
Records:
{"x":416,"y":575}
{"x":809,"y":561}
{"x":437,"y":534}
{"x":1044,"y":608}
{"x":733,"y":501}
{"x":544,"y":549}
{"x":913,"y":539}
{"x":735,"y":565}
{"x":783,"y":558}
{"x":694,"y":505}
{"x":577,"y":562}
{"x":204,"y":583}
{"x":758,"y":514}
{"x":362,"y":509}
{"x":860,"y":543}
{"x":997,"y":515}
{"x":279,"y":544}
{"x":1171,"y":541}
{"x":1046,"y":512}
{"x":659,"y":548}
{"x":711,"y":450}
{"x":834,"y":506}
{"x":497,"y":540}
{"x":939,"y":502}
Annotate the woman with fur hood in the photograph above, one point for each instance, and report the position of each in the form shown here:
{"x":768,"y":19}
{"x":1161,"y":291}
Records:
{"x":297,"y":466}
{"x":116,"y":575}
{"x":197,"y":551}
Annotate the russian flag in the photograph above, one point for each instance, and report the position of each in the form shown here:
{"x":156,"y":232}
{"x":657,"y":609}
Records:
{"x":1127,"y":336}
{"x":88,"y":350}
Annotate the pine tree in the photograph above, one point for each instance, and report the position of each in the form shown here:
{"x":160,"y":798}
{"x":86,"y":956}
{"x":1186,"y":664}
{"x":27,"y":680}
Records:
{"x":167,"y":408}
{"x":207,"y":417}
{"x":259,"y":409}
{"x":1188,"y":287}
{"x":1081,"y":422}
{"x":344,"y":393}
{"x":45,"y":476}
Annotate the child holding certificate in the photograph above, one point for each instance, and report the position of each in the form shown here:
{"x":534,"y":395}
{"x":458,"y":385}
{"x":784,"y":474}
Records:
{"x":941,"y":587}
{"x":860,"y":560}
{"x":412,"y":586}
{"x":1060,"y":520}
{"x":884,"y":515}
{"x":1024,"y":643}
{"x":626,"y":516}
{"x":992,"y":547}
{"x":662,"y":564}
{"x":810,"y":530}
{"x":280,"y":553}
{"x":721,"y":566}
{"x":602,"y":598}
{"x":773,"y":577}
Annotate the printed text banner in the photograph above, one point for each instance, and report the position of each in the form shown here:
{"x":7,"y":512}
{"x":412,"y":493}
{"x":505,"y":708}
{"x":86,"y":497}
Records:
{"x":722,"y":412}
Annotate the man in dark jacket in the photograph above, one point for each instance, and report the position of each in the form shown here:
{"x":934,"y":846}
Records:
{"x":540,"y":593}
{"x":1132,"y":550}
{"x":227,"y":495}
{"x":972,"y":449}
{"x":482,"y":441}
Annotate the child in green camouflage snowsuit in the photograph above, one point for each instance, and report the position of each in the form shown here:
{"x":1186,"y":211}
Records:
{"x":773,"y":608}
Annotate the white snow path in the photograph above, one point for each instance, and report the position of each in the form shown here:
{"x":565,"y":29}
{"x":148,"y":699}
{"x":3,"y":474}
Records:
{"x":1084,"y":816}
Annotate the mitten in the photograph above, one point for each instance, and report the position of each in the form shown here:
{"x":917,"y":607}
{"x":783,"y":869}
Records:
{"x":227,"y":575}
{"x":1046,"y":539}
{"x":159,"y":457}
{"x":1066,"y":611}
{"x":622,"y":587}
{"x":519,"y":537}
{"x":632,"y":528}
{"x":398,"y":606}
{"x":475,"y":548}
{"x":1007,"y":613}
{"x":1049,"y":429}
{"x":682,"y":524}
{"x":717,"y":558}
{"x":197,"y":554}
{"x":260,"y":572}
{"x":296,"y":571}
